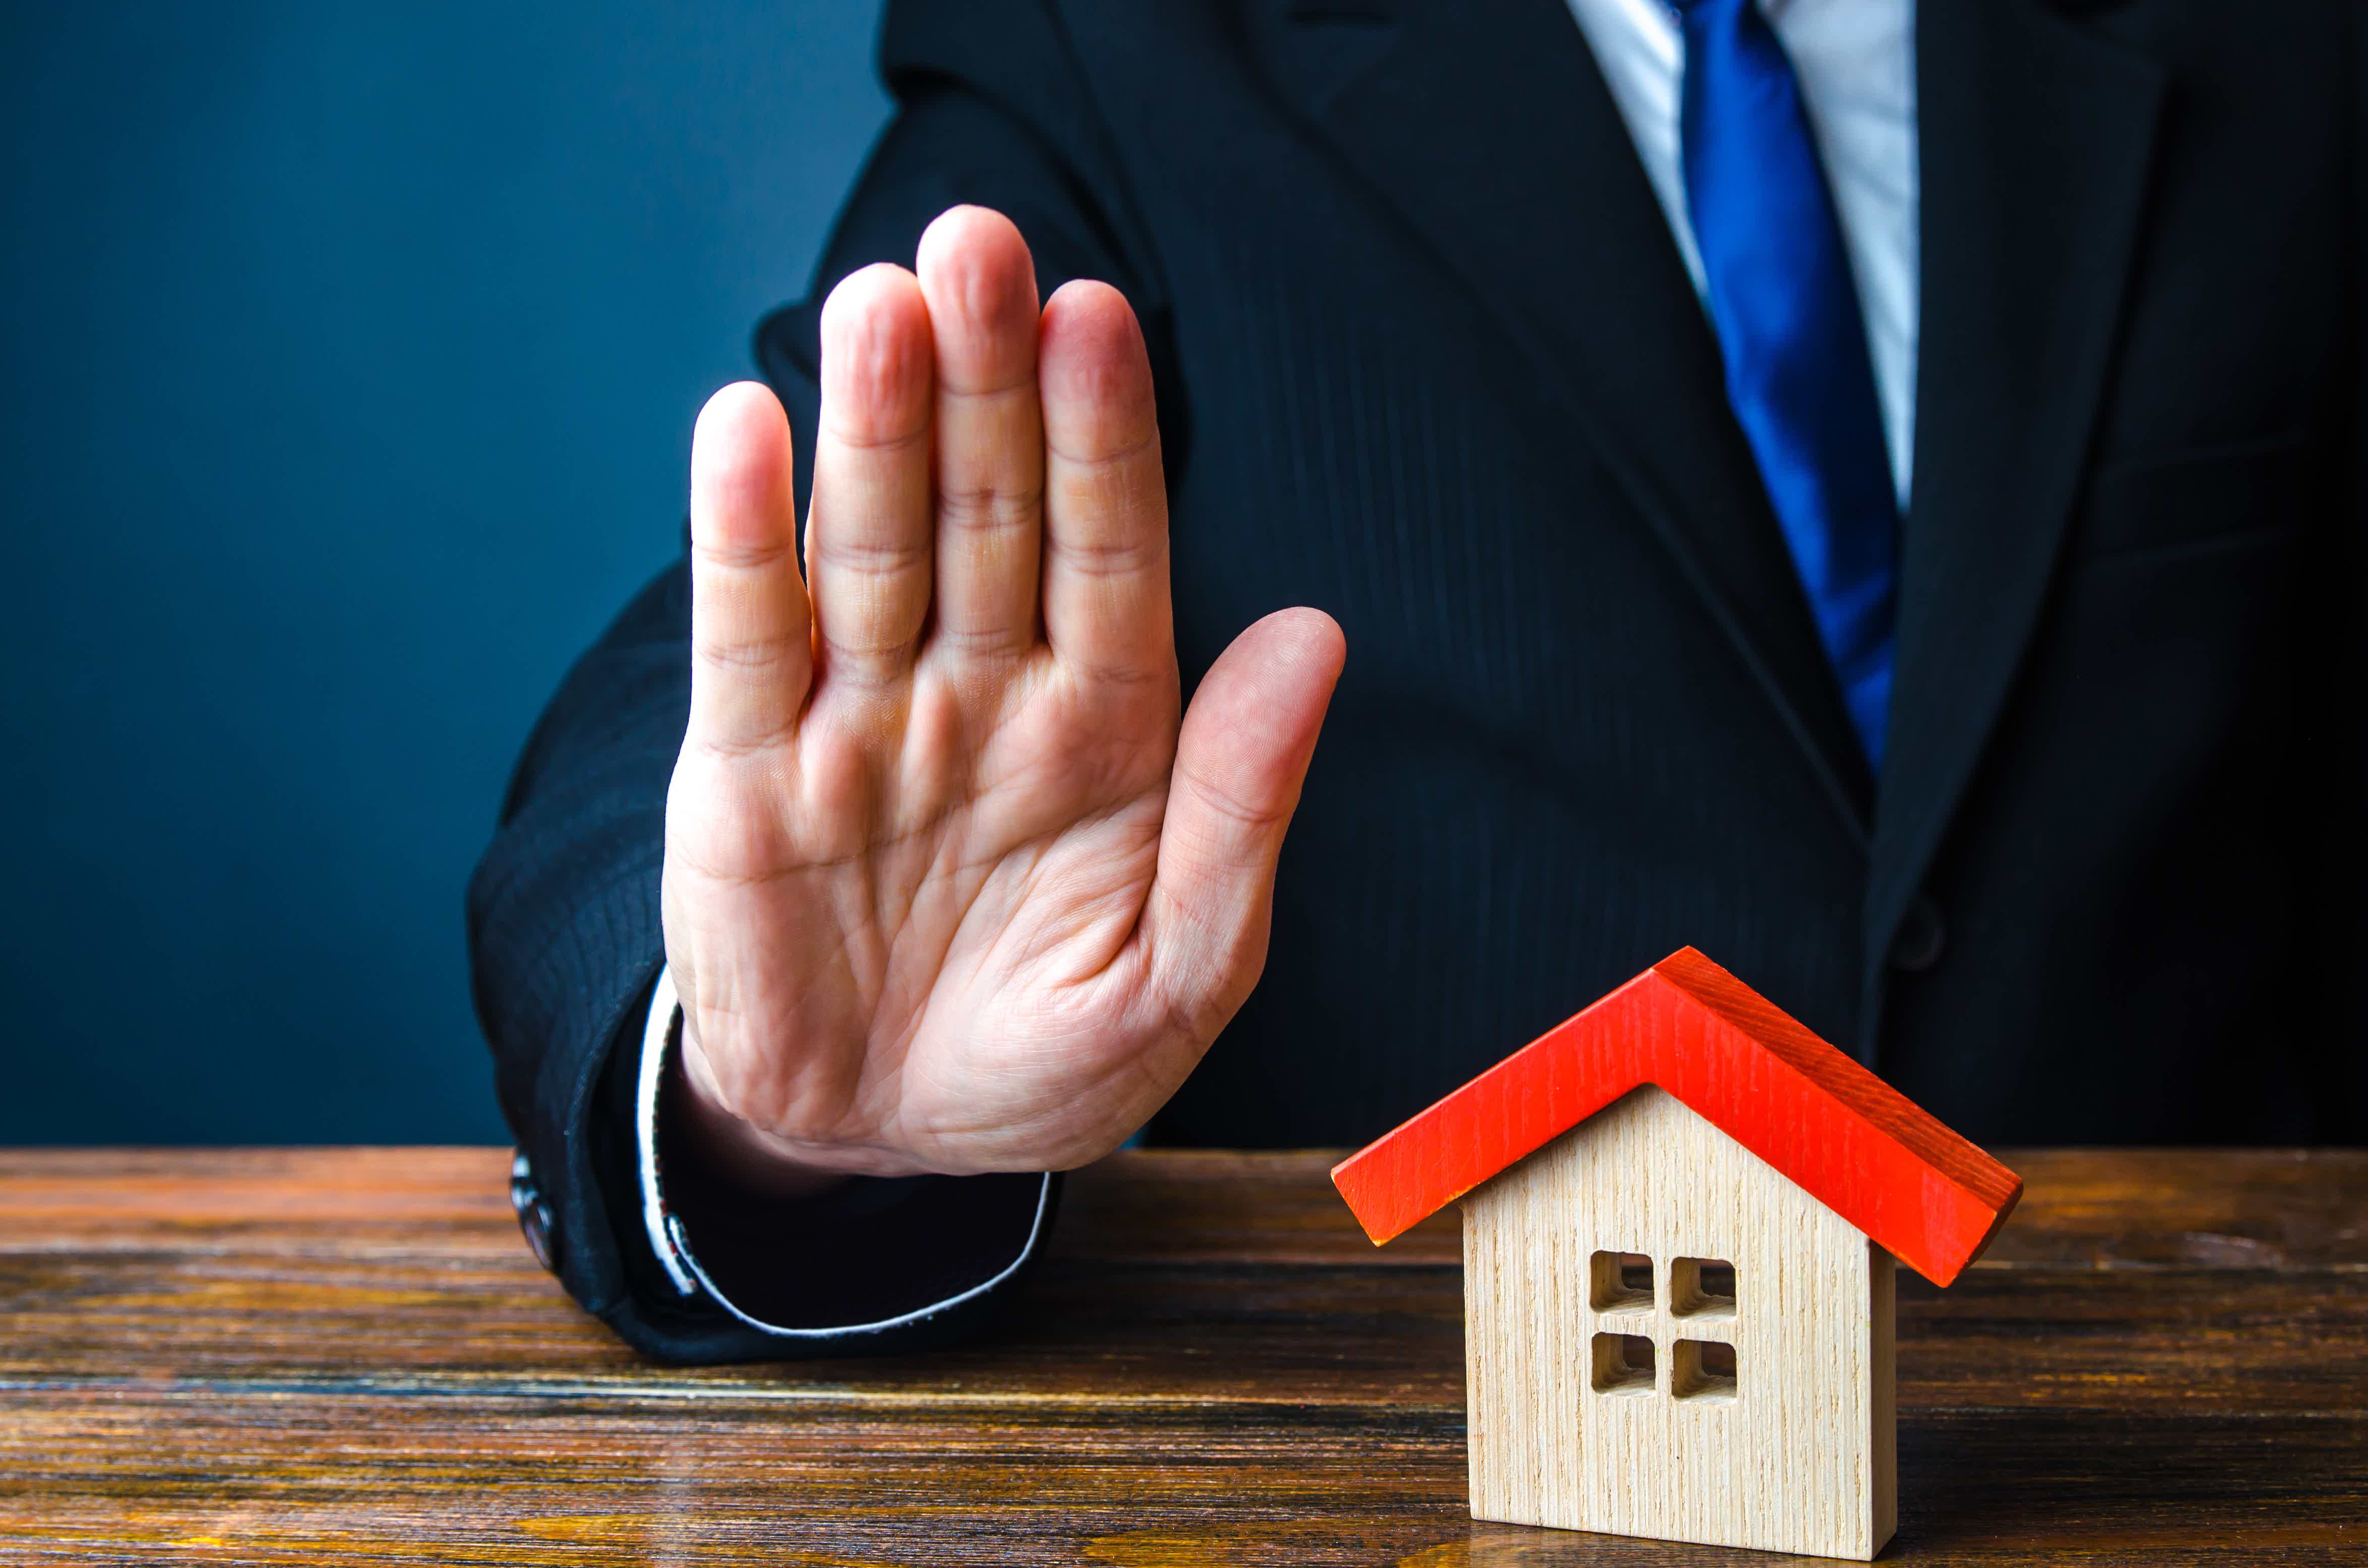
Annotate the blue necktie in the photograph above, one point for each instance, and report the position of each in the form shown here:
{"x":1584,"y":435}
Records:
{"x":1797,"y":369}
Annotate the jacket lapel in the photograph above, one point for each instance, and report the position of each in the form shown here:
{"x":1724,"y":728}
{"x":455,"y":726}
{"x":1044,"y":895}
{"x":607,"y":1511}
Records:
{"x":1489,"y":127}
{"x":2036,"y":142}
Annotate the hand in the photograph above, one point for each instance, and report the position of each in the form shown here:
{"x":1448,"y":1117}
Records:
{"x":946,"y":886}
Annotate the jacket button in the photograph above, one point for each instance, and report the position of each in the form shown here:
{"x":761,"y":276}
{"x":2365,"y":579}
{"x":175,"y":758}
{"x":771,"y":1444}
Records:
{"x":542,"y":1234}
{"x":523,"y":1192}
{"x":1916,"y":946}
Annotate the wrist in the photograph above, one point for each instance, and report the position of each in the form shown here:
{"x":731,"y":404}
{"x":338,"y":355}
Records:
{"x":732,"y":1147}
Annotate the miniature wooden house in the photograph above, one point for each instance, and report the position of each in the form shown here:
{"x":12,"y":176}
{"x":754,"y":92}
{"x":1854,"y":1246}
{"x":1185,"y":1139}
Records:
{"x":1681,"y":1213}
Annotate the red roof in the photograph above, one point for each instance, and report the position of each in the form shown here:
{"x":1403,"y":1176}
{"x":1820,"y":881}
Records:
{"x":1836,"y":1131}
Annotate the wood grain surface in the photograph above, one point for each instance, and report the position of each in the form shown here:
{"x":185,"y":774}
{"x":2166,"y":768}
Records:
{"x":346,"y":1355}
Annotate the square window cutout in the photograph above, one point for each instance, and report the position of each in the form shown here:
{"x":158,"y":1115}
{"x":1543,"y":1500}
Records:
{"x":1703,"y":1369}
{"x":1620,"y":1282}
{"x":1701,"y":1288}
{"x":1624,"y":1363}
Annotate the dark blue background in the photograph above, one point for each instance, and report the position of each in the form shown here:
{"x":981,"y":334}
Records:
{"x":350,"y":362}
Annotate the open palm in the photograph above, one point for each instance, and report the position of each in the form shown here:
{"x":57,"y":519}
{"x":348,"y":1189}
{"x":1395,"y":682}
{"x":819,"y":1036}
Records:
{"x":946,"y":886}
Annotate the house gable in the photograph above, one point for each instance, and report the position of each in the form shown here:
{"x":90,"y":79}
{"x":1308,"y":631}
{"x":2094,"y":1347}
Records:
{"x":1925,"y":1194}
{"x":1551,"y":1441}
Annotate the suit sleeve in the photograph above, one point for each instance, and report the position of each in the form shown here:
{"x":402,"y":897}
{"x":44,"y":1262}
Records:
{"x":2341,"y":745}
{"x":565,"y":941}
{"x":2330,"y":1044}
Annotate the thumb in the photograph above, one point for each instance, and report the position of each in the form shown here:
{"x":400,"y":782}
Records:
{"x":1240,"y":760}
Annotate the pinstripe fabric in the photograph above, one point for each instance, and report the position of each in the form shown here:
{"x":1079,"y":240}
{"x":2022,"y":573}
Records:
{"x":1428,"y":358}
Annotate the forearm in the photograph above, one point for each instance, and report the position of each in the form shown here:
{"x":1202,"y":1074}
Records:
{"x":564,"y":927}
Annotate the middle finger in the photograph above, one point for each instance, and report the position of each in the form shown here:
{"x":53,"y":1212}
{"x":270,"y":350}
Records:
{"x":868,"y":528}
{"x":981,"y":288}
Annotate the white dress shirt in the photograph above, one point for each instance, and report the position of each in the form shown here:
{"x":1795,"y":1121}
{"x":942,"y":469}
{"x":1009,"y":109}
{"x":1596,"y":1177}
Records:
{"x":1856,"y":63}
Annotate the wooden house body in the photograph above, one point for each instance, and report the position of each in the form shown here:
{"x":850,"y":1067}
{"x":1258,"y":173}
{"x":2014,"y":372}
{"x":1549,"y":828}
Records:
{"x":1682,"y":1211}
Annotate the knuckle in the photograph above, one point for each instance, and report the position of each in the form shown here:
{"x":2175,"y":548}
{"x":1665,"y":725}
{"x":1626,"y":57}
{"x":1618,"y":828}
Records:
{"x":866,"y":439}
{"x":1126,"y":454}
{"x":781,"y":653}
{"x":989,"y":507}
{"x":760,"y":739}
{"x":870,"y":555}
{"x":1000,"y":640}
{"x":736,"y":556}
{"x":1246,"y":817}
{"x":1017,"y":389}
{"x":868,"y":654}
{"x":1122,"y":674}
{"x":1117,"y":552}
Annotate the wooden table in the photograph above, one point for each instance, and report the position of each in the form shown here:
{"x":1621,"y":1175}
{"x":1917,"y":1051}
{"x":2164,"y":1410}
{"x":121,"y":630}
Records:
{"x":346,"y":1355}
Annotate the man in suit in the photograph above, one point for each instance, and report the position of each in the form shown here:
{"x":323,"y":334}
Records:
{"x":1868,"y":488}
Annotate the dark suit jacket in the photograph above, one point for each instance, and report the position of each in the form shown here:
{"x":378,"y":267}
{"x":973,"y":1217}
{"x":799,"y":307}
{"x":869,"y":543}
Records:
{"x":1428,"y":358}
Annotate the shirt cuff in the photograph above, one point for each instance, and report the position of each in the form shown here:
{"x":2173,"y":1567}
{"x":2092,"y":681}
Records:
{"x":670,"y":1239}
